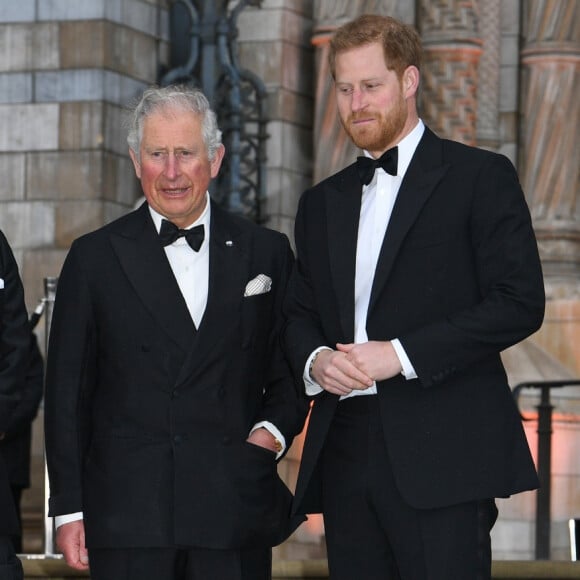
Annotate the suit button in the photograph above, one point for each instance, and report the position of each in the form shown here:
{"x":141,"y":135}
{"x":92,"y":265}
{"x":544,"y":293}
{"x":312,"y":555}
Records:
{"x":175,"y":394}
{"x":226,"y":440}
{"x":177,"y":439}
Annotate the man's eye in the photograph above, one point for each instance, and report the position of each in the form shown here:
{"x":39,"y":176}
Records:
{"x":345,"y":90}
{"x":184,"y":154}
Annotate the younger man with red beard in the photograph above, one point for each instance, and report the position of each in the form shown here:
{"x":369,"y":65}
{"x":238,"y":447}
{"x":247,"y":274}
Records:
{"x":415,"y":267}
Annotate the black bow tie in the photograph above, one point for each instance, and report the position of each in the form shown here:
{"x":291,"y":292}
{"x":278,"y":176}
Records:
{"x":366,"y":165}
{"x":169,"y":232}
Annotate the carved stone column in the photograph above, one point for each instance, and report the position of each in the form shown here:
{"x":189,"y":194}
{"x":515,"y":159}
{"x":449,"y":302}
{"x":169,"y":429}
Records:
{"x":488,"y":119}
{"x":550,"y":152}
{"x":333,"y":150}
{"x":452,"y":46}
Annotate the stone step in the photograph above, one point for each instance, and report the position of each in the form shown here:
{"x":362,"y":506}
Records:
{"x":39,"y":566}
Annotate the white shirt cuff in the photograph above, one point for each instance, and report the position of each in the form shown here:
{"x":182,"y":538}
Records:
{"x":310,"y":385}
{"x":67,"y":519}
{"x":274,"y":431}
{"x":408,"y":370}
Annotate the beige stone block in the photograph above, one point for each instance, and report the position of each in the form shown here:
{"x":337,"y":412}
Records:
{"x":76,"y":218}
{"x":510,"y":11}
{"x":38,"y":264}
{"x":297,"y":148}
{"x":82,"y":44}
{"x":289,"y":146}
{"x":120,"y":183}
{"x":81,"y":125}
{"x":18,"y":252}
{"x":275,"y":24}
{"x":29,"y":46}
{"x":12,"y":167}
{"x":143,"y":15}
{"x":65,"y":175}
{"x":304,"y":7}
{"x":28,"y":127}
{"x":565,"y":497}
{"x":113,"y":211}
{"x":116,"y":130}
{"x":287,"y":105}
{"x":255,"y":24}
{"x":274,"y":152}
{"x":519,"y":507}
{"x":27,"y":224}
{"x":283,"y":190}
{"x":297,"y":69}
{"x":21,"y":11}
{"x":508,"y":131}
{"x":560,"y":540}
{"x":264,"y":59}
{"x":297,"y":28}
{"x":512,"y":540}
{"x":279,"y":64}
{"x":101,"y":44}
{"x":281,"y":224}
{"x":560,"y":333}
{"x":131,"y":52}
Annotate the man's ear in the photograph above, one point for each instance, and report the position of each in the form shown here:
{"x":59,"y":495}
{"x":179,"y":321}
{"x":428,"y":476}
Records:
{"x":216,"y":162}
{"x":410,"y":81}
{"x":136,"y":163}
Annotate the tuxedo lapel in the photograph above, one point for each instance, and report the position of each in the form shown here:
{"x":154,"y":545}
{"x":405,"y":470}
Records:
{"x":228,"y":266}
{"x":423,"y":174}
{"x":228,"y":271}
{"x":144,"y":262}
{"x":343,"y":211}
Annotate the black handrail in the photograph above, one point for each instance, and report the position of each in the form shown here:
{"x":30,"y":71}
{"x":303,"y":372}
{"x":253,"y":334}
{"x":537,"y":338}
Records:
{"x":545,"y":409}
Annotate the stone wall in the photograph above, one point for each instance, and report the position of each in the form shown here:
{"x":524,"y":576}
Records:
{"x":67,"y":69}
{"x":274,"y":43}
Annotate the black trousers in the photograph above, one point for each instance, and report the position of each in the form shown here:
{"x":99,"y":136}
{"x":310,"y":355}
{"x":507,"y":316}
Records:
{"x":10,"y":565}
{"x":372,"y":533}
{"x":180,"y":564}
{"x":17,"y":538}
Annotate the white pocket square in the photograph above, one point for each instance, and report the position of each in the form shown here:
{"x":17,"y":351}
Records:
{"x":1,"y":283}
{"x":259,"y":285}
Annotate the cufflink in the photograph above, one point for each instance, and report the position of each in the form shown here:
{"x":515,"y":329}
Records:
{"x":278,"y":445}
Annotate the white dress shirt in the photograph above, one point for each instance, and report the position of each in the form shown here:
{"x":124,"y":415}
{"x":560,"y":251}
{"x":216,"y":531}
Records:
{"x":377,"y":202}
{"x":190,"y":268}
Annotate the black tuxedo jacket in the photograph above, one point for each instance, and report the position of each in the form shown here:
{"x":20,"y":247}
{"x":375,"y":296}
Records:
{"x":458,"y":279}
{"x":146,"y":417}
{"x":16,"y":445}
{"x":14,"y":349}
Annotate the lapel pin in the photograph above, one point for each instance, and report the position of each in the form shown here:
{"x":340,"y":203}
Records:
{"x":229,"y":243}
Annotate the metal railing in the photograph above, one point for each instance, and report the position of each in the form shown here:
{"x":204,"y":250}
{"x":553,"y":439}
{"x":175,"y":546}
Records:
{"x":543,"y":497}
{"x":44,"y":309}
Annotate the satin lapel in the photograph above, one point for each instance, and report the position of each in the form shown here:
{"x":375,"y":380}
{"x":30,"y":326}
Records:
{"x":228,"y":270}
{"x":343,"y":212}
{"x":424,"y":173}
{"x":144,"y":262}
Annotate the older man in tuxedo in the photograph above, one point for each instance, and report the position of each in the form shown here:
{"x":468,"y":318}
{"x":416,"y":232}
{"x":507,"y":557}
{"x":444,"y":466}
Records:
{"x":415,"y":267}
{"x":168,"y":400}
{"x":14,"y":351}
